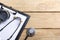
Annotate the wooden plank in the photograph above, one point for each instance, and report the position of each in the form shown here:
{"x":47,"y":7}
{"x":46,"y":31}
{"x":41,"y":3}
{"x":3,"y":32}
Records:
{"x":43,"y":34}
{"x":33,"y":5}
{"x":44,"y":20}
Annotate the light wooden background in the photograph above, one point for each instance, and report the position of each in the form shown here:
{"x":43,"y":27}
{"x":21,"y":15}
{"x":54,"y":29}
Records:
{"x":45,"y":17}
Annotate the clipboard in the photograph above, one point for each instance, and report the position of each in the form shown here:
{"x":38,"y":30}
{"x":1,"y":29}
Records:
{"x":24,"y":18}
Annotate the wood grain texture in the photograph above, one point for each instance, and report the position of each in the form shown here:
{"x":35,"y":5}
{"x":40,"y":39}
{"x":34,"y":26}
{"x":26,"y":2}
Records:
{"x":44,"y":20}
{"x":43,"y":34}
{"x":36,"y":5}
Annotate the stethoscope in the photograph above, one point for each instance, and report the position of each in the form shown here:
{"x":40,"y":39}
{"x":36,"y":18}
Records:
{"x":10,"y":22}
{"x":15,"y":29}
{"x":8,"y":17}
{"x":14,"y":18}
{"x":30,"y":32}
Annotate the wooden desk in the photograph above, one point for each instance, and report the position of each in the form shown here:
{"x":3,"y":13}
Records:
{"x":45,"y":17}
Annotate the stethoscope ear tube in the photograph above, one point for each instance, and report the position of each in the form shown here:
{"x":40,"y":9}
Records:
{"x":7,"y":24}
{"x":19,"y":19}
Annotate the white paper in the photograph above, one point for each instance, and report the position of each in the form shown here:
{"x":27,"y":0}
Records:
{"x":9,"y":29}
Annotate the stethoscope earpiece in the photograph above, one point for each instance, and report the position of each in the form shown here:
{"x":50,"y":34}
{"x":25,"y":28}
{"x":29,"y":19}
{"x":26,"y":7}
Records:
{"x":30,"y":33}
